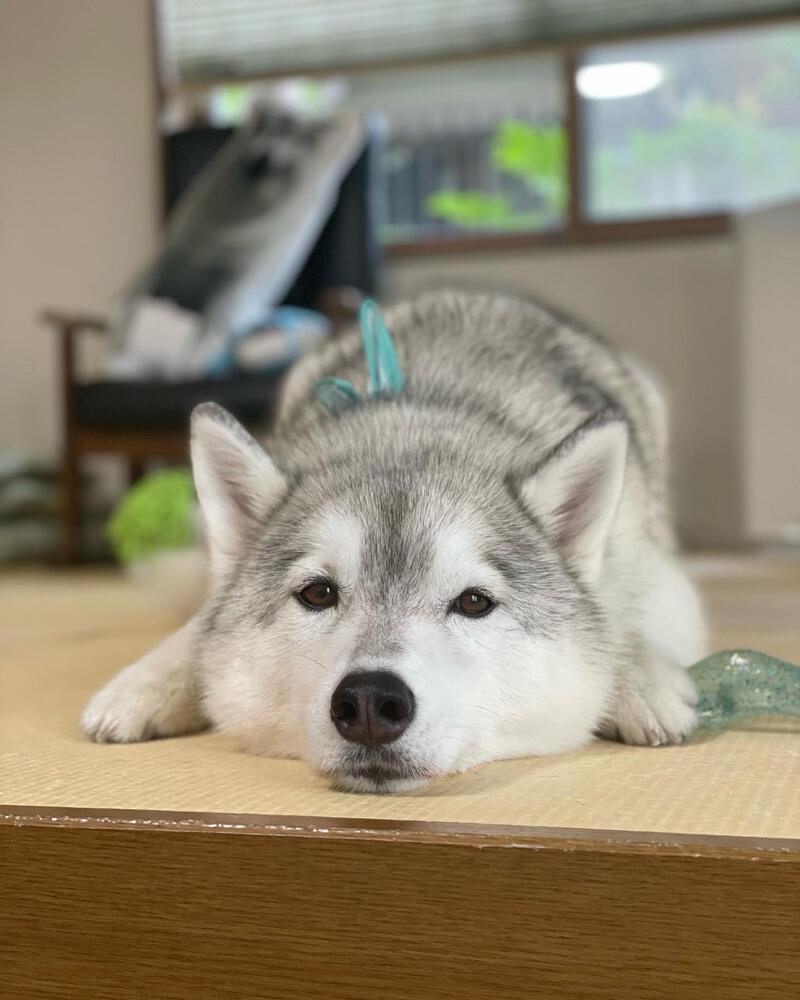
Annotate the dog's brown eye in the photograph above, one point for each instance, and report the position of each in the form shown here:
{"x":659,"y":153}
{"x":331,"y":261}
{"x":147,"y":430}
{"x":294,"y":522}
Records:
{"x":319,"y":595}
{"x":473,"y":604}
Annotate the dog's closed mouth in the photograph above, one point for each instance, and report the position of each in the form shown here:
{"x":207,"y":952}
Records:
{"x":381,"y":774}
{"x":377,"y":772}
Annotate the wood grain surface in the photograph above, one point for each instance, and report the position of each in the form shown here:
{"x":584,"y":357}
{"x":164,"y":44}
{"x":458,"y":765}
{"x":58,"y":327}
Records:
{"x":402,"y":898}
{"x":127,"y":907}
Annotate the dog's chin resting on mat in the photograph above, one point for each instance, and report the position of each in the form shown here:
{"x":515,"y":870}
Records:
{"x":480,"y":566}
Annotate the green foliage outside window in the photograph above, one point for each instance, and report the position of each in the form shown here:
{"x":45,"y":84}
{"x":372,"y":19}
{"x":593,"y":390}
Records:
{"x":721,"y":133}
{"x":535,"y":155}
{"x":728,"y":154}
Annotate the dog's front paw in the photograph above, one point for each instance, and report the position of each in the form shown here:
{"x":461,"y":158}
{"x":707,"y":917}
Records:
{"x":153,"y":697}
{"x":135,"y":706}
{"x":124,"y":711}
{"x":117,"y":714}
{"x":656,"y":709}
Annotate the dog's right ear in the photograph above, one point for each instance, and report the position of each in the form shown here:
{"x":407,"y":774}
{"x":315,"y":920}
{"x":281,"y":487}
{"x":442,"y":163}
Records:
{"x":576,"y":490}
{"x":235,"y":479}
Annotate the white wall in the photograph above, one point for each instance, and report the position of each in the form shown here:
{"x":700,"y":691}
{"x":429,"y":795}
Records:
{"x":78,"y":184}
{"x":675,"y":305}
{"x":770,"y":391}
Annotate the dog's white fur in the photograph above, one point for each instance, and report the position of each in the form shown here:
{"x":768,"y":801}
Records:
{"x":501,"y":686}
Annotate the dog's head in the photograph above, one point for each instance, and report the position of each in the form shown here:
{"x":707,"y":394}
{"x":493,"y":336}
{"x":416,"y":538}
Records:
{"x":409,"y":618}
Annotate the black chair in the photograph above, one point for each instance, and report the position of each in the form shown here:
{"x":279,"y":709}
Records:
{"x":147,"y":420}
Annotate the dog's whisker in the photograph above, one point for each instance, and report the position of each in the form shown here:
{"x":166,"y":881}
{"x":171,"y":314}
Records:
{"x":299,"y":650}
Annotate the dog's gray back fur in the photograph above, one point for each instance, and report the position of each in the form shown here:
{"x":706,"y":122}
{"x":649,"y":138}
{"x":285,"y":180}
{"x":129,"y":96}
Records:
{"x":492,"y":383}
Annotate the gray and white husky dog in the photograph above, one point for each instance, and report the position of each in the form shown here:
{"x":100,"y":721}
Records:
{"x":478,"y":568}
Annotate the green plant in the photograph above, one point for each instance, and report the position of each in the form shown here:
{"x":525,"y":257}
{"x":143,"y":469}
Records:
{"x":534,"y":154}
{"x":537,"y":155}
{"x":731,"y":157}
{"x":157,"y":514}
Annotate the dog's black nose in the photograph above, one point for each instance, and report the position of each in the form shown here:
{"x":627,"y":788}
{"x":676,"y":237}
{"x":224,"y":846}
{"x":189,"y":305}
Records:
{"x":372,"y":708}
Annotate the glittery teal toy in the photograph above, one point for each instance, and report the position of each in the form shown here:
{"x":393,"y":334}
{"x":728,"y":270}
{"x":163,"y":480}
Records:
{"x":385,"y":376}
{"x":740,"y":684}
{"x":156,"y":515}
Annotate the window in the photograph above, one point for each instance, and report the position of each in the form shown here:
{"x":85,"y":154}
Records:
{"x":660,"y":135}
{"x":465,"y":148}
{"x":476,"y":147}
{"x":694,"y":124}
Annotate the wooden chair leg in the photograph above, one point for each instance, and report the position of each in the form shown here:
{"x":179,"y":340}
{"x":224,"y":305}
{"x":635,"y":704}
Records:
{"x":70,"y":506}
{"x":136,"y":469}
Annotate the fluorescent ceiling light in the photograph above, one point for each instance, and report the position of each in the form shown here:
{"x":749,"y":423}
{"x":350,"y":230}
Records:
{"x":606,"y":81}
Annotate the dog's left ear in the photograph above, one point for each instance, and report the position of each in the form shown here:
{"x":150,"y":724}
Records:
{"x":576,"y":491}
{"x":236,"y":481}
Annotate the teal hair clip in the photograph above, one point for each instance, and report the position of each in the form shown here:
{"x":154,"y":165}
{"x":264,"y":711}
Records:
{"x":385,"y":376}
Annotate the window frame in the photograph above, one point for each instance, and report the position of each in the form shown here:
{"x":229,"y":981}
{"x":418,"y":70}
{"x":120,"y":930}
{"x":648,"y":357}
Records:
{"x":578,"y":229}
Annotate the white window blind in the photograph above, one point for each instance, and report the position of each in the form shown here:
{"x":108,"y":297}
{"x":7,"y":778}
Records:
{"x":213,"y":39}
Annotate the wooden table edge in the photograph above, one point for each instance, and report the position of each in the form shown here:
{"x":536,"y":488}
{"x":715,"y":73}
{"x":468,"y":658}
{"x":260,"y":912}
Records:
{"x":479,"y":835}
